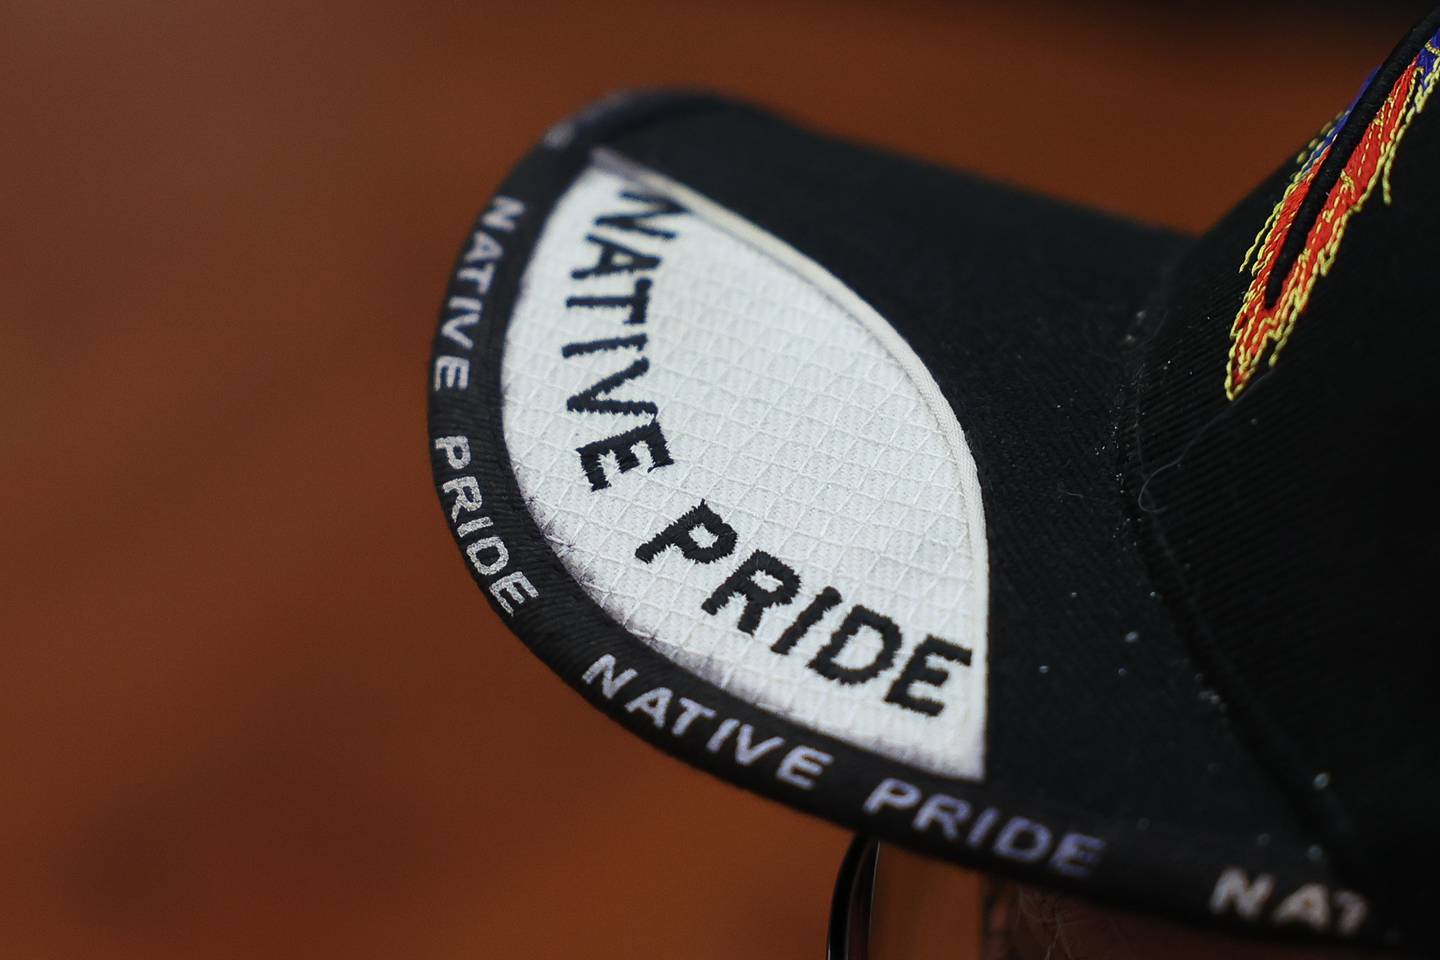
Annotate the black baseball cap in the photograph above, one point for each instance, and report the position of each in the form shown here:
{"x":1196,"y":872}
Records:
{"x":1057,"y":545}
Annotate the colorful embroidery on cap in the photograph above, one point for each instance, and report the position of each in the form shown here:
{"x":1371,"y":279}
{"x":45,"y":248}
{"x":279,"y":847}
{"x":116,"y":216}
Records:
{"x":1259,"y":324}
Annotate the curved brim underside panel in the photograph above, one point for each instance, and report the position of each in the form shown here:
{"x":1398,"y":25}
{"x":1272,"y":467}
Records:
{"x":802,"y":462}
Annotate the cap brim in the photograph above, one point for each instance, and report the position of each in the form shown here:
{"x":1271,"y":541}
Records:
{"x":1105,"y":764}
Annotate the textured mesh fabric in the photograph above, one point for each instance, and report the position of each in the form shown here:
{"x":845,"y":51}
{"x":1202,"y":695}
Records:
{"x":1029,"y":314}
{"x":790,"y":420}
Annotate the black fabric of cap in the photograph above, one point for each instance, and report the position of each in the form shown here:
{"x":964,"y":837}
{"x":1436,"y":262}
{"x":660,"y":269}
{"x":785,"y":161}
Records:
{"x":1029,"y":314}
{"x":1197,"y":605}
{"x":1294,"y":527}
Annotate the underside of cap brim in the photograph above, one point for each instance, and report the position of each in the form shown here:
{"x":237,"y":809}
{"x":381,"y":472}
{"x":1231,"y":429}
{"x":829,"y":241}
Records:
{"x":800,"y":460}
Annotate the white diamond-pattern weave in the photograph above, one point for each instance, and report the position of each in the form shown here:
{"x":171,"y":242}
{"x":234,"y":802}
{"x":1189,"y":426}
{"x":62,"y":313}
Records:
{"x":798,"y":425}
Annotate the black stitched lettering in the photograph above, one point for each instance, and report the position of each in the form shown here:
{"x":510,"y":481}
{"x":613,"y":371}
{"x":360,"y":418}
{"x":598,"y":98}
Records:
{"x":614,"y":257}
{"x":825,"y":662}
{"x":758,"y":597}
{"x":638,"y":302}
{"x":918,"y":670}
{"x":593,"y":400}
{"x":636,"y":340}
{"x":810,"y":616}
{"x":681,"y":535}
{"x":622,"y":447}
{"x":659,"y":207}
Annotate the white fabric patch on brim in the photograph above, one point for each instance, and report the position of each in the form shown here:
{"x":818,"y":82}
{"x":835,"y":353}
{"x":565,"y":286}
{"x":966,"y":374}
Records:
{"x":805,"y":425}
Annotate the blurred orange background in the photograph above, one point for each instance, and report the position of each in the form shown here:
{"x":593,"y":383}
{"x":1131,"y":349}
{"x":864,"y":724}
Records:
{"x":251,"y":704}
